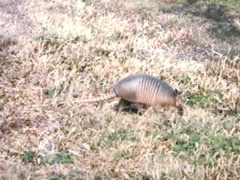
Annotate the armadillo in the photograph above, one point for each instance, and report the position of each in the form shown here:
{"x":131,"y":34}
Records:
{"x":142,"y":89}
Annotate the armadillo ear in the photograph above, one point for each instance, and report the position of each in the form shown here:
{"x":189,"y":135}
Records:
{"x":180,"y":91}
{"x":177,"y":92}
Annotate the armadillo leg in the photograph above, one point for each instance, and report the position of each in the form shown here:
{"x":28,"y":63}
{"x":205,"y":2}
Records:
{"x":122,"y":104}
{"x":127,"y":106}
{"x":138,"y":108}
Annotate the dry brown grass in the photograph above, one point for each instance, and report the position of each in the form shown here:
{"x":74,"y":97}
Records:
{"x":52,"y":53}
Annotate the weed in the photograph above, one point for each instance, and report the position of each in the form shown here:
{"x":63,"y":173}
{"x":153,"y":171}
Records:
{"x":29,"y":156}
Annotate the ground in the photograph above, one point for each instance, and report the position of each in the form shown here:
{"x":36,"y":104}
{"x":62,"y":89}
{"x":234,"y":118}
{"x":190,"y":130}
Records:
{"x":54,"y":53}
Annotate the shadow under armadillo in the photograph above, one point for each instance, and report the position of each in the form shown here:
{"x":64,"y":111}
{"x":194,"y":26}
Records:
{"x":129,"y":107}
{"x":137,"y":108}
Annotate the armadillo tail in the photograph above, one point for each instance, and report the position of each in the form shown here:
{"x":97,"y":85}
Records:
{"x":105,"y":97}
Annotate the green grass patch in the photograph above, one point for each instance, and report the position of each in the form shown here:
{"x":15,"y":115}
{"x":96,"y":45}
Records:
{"x":58,"y":176}
{"x":189,"y":139}
{"x":58,"y":158}
{"x":233,"y":4}
{"x":56,"y":91}
{"x":119,"y":136}
{"x":122,"y":154}
{"x":29,"y":156}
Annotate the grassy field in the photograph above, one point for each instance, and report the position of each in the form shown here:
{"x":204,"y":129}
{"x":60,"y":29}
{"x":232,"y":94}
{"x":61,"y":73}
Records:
{"x":54,"y":53}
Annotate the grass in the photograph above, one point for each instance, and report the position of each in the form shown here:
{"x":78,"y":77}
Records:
{"x":53,"y":53}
